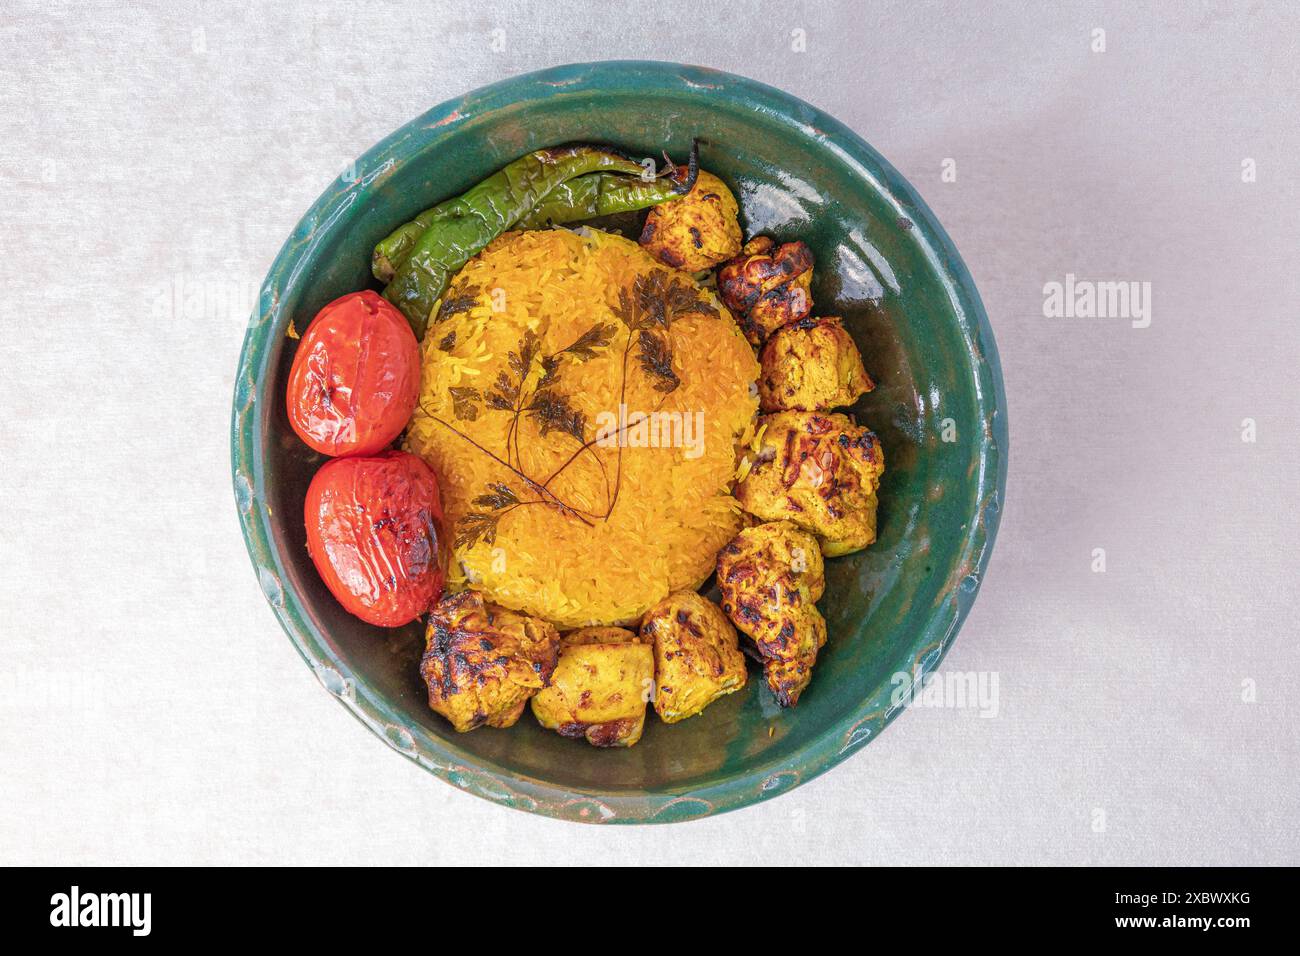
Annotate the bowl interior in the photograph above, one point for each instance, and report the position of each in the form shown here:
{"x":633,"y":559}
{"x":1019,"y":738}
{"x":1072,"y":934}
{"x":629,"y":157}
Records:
{"x":881,"y":263}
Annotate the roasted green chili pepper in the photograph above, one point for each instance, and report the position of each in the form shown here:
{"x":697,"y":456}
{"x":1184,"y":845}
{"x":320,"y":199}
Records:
{"x":459,"y":229}
{"x":586,"y":197}
{"x":599,"y":194}
{"x":396,"y":246}
{"x":483,"y":213}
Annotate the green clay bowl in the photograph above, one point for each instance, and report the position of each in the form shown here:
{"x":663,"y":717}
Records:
{"x":883,"y":262}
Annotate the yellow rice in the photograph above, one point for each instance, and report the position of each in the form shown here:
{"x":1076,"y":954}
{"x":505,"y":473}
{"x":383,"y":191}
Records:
{"x":673,"y":512}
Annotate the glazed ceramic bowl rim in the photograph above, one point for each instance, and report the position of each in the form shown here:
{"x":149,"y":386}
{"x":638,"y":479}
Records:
{"x":764,"y":779}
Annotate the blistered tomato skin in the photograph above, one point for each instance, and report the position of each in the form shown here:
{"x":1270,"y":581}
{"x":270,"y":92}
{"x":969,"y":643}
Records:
{"x":372,"y":531}
{"x":355,"y":379}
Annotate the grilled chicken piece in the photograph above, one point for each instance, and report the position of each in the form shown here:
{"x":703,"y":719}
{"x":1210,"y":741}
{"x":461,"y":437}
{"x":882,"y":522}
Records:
{"x":767,"y":286}
{"x":697,"y":231}
{"x":811,"y":366}
{"x":482,"y":663}
{"x":820,"y":471}
{"x":771,"y":577}
{"x":697,"y":655}
{"x":600,"y":687}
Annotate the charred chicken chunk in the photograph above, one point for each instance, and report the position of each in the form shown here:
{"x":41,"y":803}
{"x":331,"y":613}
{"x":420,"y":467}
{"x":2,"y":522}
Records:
{"x":600,"y":687}
{"x":697,"y":655}
{"x":482,"y":663}
{"x":820,"y":471}
{"x":767,"y":286}
{"x":811,"y":366}
{"x":771,"y":577}
{"x":697,"y":231}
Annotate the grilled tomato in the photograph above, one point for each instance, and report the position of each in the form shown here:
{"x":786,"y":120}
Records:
{"x":372,"y":530}
{"x":356,"y":377}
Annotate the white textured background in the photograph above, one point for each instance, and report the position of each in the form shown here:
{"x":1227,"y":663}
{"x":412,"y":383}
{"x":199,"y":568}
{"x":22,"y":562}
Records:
{"x":152,"y":711}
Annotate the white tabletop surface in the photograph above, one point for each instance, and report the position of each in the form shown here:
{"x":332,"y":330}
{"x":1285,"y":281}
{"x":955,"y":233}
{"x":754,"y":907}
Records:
{"x":151,"y":710}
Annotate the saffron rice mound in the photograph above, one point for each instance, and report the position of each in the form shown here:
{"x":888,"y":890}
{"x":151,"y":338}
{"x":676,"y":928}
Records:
{"x":555,"y":505}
